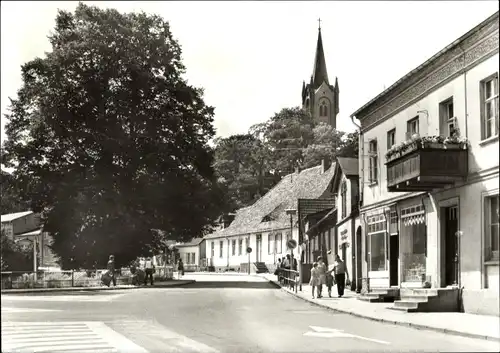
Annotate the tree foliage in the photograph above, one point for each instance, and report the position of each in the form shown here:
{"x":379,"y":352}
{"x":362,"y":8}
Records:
{"x":249,"y":165}
{"x":110,"y":141}
{"x":11,"y":200}
{"x":13,"y":257}
{"x":242,"y":164}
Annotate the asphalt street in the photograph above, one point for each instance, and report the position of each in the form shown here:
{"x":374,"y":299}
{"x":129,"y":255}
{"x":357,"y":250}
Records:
{"x":219,"y":313}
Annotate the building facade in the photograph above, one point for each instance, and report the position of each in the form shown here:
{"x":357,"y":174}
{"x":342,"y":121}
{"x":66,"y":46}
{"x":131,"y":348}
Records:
{"x":338,"y":228}
{"x":190,"y":253}
{"x":319,"y":97}
{"x":265,"y":226}
{"x":429,"y":174}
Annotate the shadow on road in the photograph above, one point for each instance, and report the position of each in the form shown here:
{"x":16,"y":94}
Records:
{"x":229,"y":284}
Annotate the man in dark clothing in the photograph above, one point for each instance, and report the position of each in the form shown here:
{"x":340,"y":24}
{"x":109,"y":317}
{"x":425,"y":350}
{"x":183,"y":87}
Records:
{"x":149,"y":267}
{"x":111,"y":269}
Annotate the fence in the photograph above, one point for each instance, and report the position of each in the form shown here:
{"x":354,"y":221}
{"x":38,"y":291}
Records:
{"x":289,"y":278}
{"x":73,"y":278}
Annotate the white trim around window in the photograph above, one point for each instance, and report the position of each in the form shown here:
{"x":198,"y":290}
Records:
{"x":484,"y":234}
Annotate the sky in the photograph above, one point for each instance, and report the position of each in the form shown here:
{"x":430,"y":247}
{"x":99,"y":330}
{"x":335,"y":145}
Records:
{"x":251,"y":57}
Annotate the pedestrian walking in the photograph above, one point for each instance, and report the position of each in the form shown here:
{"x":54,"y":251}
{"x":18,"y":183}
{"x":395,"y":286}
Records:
{"x":322,"y":276}
{"x":287,"y":266}
{"x":111,"y":269}
{"x":149,"y":268}
{"x":314,"y":281}
{"x":330,"y":281}
{"x":341,"y":274}
{"x":180,"y":268}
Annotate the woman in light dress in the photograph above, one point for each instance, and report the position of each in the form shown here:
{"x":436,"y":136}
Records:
{"x":322,"y":276}
{"x":314,"y":281}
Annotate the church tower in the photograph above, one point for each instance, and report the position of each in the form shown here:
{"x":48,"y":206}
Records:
{"x":319,"y":97}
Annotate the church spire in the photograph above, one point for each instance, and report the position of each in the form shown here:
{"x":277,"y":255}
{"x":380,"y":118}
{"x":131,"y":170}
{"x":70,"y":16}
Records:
{"x":320,"y":74}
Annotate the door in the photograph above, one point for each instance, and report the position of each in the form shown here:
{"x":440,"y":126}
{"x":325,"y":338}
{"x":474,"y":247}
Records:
{"x":359,"y":265}
{"x":393,"y":260}
{"x":450,"y":243}
{"x":258,"y":250}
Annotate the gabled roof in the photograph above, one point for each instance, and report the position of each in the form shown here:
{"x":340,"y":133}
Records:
{"x":309,"y":184}
{"x":349,"y":166}
{"x":13,"y":216}
{"x":193,"y":242}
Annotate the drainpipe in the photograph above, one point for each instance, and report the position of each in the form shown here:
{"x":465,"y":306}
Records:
{"x":361,"y":148}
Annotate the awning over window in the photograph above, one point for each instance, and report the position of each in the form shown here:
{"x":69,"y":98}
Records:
{"x":413,"y":215}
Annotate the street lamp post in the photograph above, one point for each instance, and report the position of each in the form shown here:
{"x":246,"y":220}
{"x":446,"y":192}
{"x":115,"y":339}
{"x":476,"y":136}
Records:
{"x":292,"y":212}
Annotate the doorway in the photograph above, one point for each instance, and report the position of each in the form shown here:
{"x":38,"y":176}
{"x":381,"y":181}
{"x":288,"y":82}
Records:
{"x":450,"y":245}
{"x":258,"y":250}
{"x":394,"y":260}
{"x":359,"y":264}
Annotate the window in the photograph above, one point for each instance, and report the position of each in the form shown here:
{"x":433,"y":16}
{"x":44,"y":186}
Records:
{"x":278,"y":240}
{"x":391,"y":138}
{"x":373,"y":161}
{"x":212,"y":249}
{"x":247,"y":243}
{"x":270,"y":249}
{"x":448,"y":125}
{"x":489,"y":107}
{"x":323,"y":109}
{"x":240,"y":246}
{"x":288,"y":235}
{"x":221,"y":249}
{"x":193,"y":258}
{"x":491,"y":221}
{"x":412,"y":128}
{"x":377,"y":247}
{"x":393,"y":222}
{"x":188,"y":258}
{"x":343,"y":193}
{"x":233,"y":246}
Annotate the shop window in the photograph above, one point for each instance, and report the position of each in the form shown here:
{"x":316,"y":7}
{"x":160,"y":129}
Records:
{"x":377,"y":230}
{"x":413,"y":243}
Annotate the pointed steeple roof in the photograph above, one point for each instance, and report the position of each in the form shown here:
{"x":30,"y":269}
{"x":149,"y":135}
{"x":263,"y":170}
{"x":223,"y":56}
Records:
{"x":320,"y":74}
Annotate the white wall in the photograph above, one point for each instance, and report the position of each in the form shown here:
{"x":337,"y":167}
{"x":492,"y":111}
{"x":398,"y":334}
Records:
{"x":237,"y":259}
{"x":481,"y":156}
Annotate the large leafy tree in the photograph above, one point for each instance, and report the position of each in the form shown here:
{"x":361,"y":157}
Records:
{"x":108,"y":139}
{"x":242,"y":164}
{"x":286,"y":135}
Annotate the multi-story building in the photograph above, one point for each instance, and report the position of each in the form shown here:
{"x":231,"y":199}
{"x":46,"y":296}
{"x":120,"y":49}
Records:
{"x":338,"y":228}
{"x":429,"y":175}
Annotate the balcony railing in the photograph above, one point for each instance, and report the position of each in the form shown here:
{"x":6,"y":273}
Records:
{"x":426,"y":166}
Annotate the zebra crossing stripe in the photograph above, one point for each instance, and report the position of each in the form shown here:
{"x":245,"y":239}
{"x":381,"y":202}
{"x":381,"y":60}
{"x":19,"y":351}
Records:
{"x":25,"y":310}
{"x":88,"y":336}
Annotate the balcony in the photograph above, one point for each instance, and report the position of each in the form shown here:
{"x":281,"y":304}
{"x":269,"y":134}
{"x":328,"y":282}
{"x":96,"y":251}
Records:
{"x":426,"y":164}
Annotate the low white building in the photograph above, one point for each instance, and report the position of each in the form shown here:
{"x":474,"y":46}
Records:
{"x":265,"y":225}
{"x":190,"y":254}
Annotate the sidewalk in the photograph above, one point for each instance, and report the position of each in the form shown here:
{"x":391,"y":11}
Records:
{"x":163,"y":284}
{"x":462,"y":324}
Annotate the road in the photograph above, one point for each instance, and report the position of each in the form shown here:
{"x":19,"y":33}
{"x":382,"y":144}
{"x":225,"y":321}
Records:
{"x":219,"y":313}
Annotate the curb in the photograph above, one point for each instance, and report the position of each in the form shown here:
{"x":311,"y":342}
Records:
{"x":393,"y":322}
{"x":89,"y":289}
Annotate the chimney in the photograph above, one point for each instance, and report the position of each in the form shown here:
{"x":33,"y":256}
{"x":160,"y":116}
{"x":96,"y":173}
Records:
{"x":322,"y":166}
